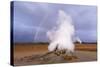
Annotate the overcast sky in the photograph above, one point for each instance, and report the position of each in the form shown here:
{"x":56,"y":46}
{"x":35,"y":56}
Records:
{"x":31,"y":16}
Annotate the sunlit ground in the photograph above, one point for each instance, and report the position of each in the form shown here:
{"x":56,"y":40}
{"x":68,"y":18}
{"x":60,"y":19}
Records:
{"x":24,"y":54}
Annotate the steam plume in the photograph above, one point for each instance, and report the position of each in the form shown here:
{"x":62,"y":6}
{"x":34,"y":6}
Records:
{"x":61,"y":36}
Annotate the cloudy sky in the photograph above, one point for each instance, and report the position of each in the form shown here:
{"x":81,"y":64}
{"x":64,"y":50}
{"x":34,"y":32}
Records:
{"x":32,"y":20}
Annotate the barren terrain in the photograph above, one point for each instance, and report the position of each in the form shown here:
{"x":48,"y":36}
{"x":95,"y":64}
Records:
{"x":29,"y":54}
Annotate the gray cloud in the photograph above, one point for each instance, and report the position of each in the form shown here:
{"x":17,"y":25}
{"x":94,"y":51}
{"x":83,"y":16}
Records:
{"x":30,"y":16}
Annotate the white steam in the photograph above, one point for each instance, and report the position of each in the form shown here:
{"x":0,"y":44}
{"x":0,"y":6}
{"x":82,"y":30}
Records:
{"x":61,"y":36}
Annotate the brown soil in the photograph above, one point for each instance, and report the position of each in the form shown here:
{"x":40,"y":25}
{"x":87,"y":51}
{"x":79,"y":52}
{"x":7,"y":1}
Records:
{"x":29,"y":54}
